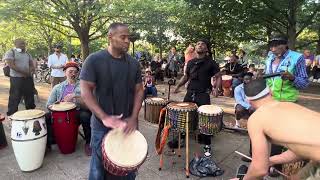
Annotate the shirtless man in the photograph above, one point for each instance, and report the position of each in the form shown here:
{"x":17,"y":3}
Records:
{"x":284,"y":123}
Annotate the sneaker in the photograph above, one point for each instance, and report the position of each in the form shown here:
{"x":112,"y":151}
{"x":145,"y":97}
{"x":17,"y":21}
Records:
{"x":207,"y":151}
{"x":87,"y":149}
{"x":319,"y":80}
{"x":315,"y":80}
{"x":237,"y":126}
{"x":274,"y":174}
{"x":242,"y":171}
{"x":311,"y":78}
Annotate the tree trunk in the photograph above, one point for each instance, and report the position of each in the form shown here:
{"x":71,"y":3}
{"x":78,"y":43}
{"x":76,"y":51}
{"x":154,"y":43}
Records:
{"x":160,"y":41}
{"x":49,"y":45}
{"x":84,"y":39}
{"x":318,"y":42}
{"x":292,"y":22}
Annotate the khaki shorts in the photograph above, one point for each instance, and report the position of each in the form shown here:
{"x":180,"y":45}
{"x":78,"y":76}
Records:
{"x":310,"y":172}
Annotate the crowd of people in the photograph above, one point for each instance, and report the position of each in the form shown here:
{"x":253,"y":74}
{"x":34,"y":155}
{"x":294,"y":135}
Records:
{"x":112,"y":87}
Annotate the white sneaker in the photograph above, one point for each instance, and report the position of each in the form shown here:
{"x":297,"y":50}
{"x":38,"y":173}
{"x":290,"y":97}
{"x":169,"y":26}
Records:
{"x":314,"y":80}
{"x":237,"y":126}
{"x":319,"y":80}
{"x":311,"y":78}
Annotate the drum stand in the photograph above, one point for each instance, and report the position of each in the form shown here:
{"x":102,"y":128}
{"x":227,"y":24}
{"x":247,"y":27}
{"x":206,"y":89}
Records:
{"x":179,"y":149}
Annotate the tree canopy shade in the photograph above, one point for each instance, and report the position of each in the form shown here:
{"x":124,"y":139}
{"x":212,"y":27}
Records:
{"x":163,"y":23}
{"x":86,"y":20}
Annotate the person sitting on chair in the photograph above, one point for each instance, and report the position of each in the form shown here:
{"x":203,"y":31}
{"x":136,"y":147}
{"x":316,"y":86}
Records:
{"x":69,"y":91}
{"x":243,"y":109}
{"x":234,"y":69}
{"x":149,"y":84}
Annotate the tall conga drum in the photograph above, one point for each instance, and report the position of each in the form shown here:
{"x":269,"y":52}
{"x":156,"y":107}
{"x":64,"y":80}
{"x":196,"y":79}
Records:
{"x":65,"y":125}
{"x":123,"y":153}
{"x":210,"y":119}
{"x":3,"y":140}
{"x":153,"y":108}
{"x":29,"y":138}
{"x":177,"y":112}
{"x":226,"y":85}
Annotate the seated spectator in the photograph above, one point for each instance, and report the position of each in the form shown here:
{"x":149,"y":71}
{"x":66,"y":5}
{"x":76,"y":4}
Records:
{"x":234,"y":69}
{"x":315,"y":73}
{"x":69,"y":91}
{"x":309,"y":58}
{"x":242,"y":107}
{"x":149,"y":84}
{"x":253,"y":70}
{"x":155,"y":67}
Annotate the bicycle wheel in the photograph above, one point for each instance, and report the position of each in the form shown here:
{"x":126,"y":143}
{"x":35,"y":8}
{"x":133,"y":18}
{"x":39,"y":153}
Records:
{"x":47,"y":77}
{"x":38,"y":76}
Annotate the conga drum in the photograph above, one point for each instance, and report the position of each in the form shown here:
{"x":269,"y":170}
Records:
{"x":3,"y":140}
{"x":153,"y":108}
{"x":123,"y":153}
{"x":29,"y":138}
{"x":210,"y":119}
{"x":65,"y":125}
{"x":226,"y":85}
{"x":177,"y":113}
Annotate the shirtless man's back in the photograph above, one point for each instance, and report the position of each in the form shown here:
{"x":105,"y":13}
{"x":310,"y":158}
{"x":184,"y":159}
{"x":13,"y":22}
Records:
{"x":289,"y":125}
{"x":283,"y":123}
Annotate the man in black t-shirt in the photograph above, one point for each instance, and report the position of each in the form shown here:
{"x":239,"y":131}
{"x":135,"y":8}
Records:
{"x":111,"y":87}
{"x":199,"y":72}
{"x":234,"y":69}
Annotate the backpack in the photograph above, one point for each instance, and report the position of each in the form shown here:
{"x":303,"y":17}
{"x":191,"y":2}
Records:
{"x":6,"y":68}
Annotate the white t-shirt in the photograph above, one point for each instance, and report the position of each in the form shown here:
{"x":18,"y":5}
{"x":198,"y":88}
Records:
{"x":55,"y":61}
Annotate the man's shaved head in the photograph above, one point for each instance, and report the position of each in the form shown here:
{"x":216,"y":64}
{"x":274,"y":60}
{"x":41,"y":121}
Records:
{"x":114,"y":26}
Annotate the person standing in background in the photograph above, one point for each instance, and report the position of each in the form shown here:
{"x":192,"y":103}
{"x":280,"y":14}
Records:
{"x":56,"y":62}
{"x":21,"y":80}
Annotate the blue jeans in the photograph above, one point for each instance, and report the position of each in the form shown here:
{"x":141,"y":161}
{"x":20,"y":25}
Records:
{"x":150,"y":90}
{"x":97,"y":171}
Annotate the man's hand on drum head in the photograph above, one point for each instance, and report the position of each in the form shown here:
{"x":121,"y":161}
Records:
{"x":114,"y":121}
{"x":131,"y":125}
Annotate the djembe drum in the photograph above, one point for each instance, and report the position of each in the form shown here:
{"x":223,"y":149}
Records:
{"x":177,"y":112}
{"x":153,"y":108}
{"x":29,"y":138}
{"x":65,"y":125}
{"x":210,"y":119}
{"x":123,"y":153}
{"x":226,"y":85}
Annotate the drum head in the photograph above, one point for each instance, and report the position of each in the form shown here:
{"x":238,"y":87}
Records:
{"x":156,"y":100}
{"x":62,"y":106}
{"x":27,"y":114}
{"x":182,"y":106}
{"x":210,"y":110}
{"x":226,"y":77}
{"x":125,"y":150}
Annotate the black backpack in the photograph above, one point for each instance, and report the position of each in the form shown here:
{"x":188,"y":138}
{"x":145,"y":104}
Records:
{"x":6,"y":68}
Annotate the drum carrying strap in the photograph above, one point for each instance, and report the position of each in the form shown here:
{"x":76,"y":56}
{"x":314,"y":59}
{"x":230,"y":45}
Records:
{"x":164,"y":130}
